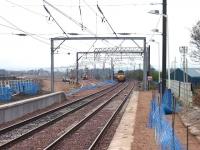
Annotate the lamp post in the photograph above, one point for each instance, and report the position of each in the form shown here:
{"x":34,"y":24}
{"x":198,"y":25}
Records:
{"x":169,"y":82}
{"x":158,"y":44}
{"x":164,"y":41}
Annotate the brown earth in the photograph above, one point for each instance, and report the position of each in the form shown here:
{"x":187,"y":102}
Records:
{"x":181,"y":132}
{"x":64,"y":86}
{"x":59,"y":85}
{"x":196,"y":98}
{"x":45,"y":84}
{"x":144,"y":138}
{"x":191,"y":117}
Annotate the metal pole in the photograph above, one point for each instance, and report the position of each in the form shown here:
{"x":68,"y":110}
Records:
{"x":187,"y":81}
{"x":168,"y":59}
{"x":145,"y":66}
{"x":183,"y":50}
{"x":173,"y":120}
{"x":94,"y":70}
{"x":52,"y":65}
{"x":158,"y":62}
{"x":111,"y":68}
{"x":184,"y":74}
{"x":164,"y":45}
{"x":187,"y":137}
{"x":149,"y":66}
{"x":103,"y":70}
{"x":77,"y":67}
{"x":149,"y":61}
{"x":186,"y":70}
{"x":139,"y":71}
{"x":144,"y":70}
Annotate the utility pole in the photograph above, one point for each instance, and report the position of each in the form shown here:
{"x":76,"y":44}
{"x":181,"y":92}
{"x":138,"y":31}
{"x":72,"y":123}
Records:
{"x":103,"y":70}
{"x":149,"y":61}
{"x":164,"y":45}
{"x":112,"y":69}
{"x":52,"y":65}
{"x":145,"y":67}
{"x":94,"y":70}
{"x":77,"y":67}
{"x":148,"y":67}
{"x":139,"y":72}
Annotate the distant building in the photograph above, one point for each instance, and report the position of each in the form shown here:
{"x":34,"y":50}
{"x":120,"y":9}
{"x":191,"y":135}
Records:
{"x":192,"y":73}
{"x":2,"y":73}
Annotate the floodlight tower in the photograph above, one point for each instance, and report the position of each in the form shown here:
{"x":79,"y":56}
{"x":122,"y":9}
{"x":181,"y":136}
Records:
{"x":183,"y":50}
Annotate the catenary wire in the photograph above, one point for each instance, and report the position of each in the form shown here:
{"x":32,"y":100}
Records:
{"x":108,"y":5}
{"x":17,"y":28}
{"x":55,"y":20}
{"x":70,"y":18}
{"x":106,"y":20}
{"x":34,"y":36}
{"x":29,"y":10}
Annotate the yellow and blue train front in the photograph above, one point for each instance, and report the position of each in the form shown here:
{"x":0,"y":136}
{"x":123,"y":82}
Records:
{"x":121,"y":77}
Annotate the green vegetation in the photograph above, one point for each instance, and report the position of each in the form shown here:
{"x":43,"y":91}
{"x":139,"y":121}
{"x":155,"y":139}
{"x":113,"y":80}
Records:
{"x":134,"y":74}
{"x":138,"y":74}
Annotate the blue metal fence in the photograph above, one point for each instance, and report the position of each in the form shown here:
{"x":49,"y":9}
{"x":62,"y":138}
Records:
{"x":12,"y":87}
{"x":168,"y":102}
{"x":27,"y":87}
{"x":5,"y":93}
{"x":164,"y":132}
{"x":91,"y":87}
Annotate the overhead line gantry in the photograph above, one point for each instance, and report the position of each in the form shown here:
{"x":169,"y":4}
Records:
{"x":143,"y":50}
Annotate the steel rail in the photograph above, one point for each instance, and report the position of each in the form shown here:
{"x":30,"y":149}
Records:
{"x":30,"y":132}
{"x":110,"y":121}
{"x":21,"y":123}
{"x":83,"y":121}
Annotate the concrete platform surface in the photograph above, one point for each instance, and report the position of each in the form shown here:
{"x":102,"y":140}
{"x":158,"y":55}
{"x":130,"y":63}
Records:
{"x":124,"y":137}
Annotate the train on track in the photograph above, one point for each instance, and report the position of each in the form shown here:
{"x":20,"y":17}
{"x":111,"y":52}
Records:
{"x":120,"y":76}
{"x":85,"y":77}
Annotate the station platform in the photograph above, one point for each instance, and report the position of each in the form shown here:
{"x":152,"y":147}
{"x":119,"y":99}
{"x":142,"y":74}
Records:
{"x":133,"y":132}
{"x":123,"y":137}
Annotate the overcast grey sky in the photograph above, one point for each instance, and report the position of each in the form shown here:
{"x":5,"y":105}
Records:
{"x":24,"y":52}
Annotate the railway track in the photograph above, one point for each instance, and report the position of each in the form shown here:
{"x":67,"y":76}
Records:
{"x":33,"y":133}
{"x":22,"y":130}
{"x":86,"y":133}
